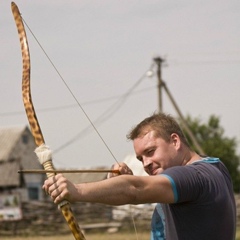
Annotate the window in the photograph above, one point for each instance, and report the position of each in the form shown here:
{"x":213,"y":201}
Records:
{"x":33,"y":193}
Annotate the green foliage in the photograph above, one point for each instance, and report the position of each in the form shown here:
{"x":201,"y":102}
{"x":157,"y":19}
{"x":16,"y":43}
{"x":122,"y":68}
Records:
{"x":211,"y":138}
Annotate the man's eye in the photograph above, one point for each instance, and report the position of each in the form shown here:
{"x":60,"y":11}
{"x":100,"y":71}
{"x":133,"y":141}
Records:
{"x":150,"y":152}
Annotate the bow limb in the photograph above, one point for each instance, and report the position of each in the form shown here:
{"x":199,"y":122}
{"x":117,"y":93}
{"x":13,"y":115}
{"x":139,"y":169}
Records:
{"x":42,"y":151}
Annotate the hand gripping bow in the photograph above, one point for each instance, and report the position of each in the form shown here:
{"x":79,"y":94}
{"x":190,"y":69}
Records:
{"x":42,"y":151}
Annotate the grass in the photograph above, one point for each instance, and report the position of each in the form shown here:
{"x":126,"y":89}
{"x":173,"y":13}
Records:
{"x":90,"y":236}
{"x":94,"y":236}
{"x":238,"y":234}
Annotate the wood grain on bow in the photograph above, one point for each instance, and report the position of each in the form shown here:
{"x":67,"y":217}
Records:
{"x":45,"y":153}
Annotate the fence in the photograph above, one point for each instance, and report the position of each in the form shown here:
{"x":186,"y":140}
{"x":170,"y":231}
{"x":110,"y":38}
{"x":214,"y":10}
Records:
{"x":44,"y":218}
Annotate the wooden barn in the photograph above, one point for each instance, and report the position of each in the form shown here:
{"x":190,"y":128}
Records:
{"x":17,"y":152}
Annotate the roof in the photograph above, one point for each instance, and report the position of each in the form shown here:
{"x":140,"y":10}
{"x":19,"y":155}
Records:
{"x":17,"y":152}
{"x":8,"y":138}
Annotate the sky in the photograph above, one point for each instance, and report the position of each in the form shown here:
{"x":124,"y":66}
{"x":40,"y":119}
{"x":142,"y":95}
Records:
{"x":103,"y":52}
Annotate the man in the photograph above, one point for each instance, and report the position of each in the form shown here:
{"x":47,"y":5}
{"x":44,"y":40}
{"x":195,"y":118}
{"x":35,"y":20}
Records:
{"x":194,"y":193}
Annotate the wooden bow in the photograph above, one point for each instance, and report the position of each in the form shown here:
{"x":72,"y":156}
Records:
{"x":42,"y":151}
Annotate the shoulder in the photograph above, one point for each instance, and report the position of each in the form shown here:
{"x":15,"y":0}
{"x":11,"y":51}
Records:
{"x":205,"y":164}
{"x":198,"y":178}
{"x":201,"y":171}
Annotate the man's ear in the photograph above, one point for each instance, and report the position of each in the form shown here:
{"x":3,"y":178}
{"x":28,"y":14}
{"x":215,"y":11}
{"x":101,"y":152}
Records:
{"x":175,"y":140}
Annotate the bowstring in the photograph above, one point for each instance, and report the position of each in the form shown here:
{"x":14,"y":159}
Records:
{"x":133,"y":221}
{"x":72,"y":94}
{"x":84,"y":112}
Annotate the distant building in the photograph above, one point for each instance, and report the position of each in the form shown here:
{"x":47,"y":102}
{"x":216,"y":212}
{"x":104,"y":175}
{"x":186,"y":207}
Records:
{"x":17,"y":152}
{"x":87,"y":177}
{"x":135,"y":165}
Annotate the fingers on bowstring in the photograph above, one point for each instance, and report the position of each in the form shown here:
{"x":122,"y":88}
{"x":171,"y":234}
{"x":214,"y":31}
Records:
{"x":122,"y":168}
{"x":115,"y":166}
{"x":125,"y":170}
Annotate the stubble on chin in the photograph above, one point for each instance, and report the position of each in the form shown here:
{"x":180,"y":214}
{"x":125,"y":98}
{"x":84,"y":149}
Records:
{"x":158,"y":171}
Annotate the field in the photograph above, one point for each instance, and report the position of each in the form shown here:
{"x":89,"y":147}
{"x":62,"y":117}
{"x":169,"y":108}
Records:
{"x":94,"y":236}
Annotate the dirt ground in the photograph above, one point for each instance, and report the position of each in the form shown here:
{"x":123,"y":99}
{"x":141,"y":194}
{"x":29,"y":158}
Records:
{"x":90,"y":236}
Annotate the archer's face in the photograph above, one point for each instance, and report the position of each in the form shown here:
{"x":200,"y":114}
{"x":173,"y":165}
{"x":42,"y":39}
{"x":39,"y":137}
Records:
{"x":155,"y":153}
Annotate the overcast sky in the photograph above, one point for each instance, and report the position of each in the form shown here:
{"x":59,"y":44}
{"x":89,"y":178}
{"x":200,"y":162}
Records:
{"x":103,"y":49}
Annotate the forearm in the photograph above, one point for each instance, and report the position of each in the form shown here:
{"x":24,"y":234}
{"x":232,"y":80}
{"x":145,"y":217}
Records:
{"x":114,"y":191}
{"x":123,"y":189}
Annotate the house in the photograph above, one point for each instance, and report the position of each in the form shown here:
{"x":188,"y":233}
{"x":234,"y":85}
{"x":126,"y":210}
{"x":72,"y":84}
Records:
{"x":17,"y":152}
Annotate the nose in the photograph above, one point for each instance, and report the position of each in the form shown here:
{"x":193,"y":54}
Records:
{"x":146,"y":162}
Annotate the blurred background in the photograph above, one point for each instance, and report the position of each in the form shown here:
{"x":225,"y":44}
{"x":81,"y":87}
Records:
{"x":104,"y":52}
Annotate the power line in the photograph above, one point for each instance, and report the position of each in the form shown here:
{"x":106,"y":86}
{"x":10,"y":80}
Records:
{"x":175,"y":62}
{"x":66,"y":107}
{"x":105,"y":115}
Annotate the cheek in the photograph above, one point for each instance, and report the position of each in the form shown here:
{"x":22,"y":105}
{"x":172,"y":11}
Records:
{"x":163,"y":158}
{"x":160,"y":156}
{"x":147,"y":171}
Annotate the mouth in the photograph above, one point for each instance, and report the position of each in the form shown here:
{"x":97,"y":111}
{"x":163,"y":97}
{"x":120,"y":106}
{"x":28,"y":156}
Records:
{"x":156,"y":171}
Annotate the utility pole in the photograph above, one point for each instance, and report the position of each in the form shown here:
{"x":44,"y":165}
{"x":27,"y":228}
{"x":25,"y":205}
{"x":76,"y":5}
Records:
{"x":162,"y":84}
{"x":159,"y":62}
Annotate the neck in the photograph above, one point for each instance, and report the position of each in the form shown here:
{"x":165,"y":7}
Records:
{"x":191,"y":157}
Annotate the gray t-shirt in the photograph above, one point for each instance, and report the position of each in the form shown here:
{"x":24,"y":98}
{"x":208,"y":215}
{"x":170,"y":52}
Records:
{"x":204,"y":206}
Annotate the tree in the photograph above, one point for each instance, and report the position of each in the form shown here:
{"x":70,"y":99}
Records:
{"x":211,"y":138}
